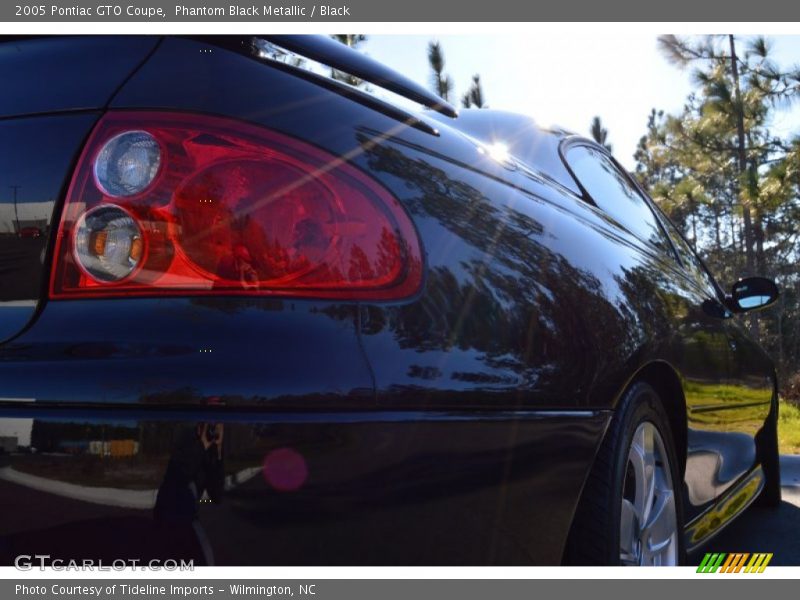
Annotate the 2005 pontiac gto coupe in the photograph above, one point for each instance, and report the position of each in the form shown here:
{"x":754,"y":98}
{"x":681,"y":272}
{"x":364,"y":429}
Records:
{"x":269,"y":318}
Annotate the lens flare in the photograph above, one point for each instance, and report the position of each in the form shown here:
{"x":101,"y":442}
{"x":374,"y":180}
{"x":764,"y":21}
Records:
{"x":285,"y":469}
{"x":499,"y":152}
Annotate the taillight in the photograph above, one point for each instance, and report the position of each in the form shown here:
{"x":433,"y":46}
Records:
{"x":179,"y":204}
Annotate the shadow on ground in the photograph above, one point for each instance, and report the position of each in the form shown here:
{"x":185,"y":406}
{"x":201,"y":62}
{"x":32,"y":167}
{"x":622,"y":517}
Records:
{"x":775,"y":530}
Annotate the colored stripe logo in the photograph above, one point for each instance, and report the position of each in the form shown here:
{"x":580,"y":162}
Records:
{"x":736,"y":562}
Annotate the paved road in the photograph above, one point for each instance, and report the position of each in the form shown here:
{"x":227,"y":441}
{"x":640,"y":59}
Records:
{"x":768,"y":530}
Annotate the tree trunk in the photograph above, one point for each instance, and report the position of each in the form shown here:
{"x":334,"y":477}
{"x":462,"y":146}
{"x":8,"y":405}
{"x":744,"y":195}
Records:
{"x":741,"y":155}
{"x":781,"y":359}
{"x":761,"y":265}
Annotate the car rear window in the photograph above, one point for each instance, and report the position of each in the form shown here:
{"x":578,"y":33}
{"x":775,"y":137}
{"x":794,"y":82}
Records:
{"x":609,"y":188}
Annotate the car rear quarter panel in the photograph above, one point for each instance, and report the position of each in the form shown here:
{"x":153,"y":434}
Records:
{"x":395,"y":478}
{"x":36,"y":159}
{"x":531,"y":299}
{"x":66,"y":73}
{"x":501,"y":372}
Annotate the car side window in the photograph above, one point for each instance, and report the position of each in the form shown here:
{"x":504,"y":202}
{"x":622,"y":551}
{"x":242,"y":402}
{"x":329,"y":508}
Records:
{"x":691,"y":263}
{"x":613,"y":193}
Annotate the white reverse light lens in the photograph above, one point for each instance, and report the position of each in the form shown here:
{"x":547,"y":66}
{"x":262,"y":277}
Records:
{"x":127,"y":164}
{"x":108,"y":243}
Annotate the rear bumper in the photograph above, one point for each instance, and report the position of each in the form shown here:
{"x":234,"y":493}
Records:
{"x":100,"y":403}
{"x":310,"y":488}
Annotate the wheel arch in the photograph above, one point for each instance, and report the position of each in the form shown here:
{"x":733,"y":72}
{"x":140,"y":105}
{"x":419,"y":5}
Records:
{"x":666,"y":381}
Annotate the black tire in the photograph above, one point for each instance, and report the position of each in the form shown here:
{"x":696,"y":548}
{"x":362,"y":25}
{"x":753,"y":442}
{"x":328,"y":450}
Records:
{"x":769,"y":457}
{"x":594,"y":537}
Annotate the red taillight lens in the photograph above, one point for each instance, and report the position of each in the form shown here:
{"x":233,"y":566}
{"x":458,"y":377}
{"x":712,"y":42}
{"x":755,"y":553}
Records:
{"x":179,"y":204}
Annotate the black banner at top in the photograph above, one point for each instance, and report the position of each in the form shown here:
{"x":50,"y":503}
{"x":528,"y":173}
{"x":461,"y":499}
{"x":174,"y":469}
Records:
{"x":406,"y":11}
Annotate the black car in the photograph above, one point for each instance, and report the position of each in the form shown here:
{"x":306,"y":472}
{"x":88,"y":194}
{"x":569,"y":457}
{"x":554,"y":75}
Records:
{"x":275,"y":319}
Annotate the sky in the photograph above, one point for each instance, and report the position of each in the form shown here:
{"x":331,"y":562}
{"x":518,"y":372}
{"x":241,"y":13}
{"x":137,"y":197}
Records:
{"x":566,"y":80}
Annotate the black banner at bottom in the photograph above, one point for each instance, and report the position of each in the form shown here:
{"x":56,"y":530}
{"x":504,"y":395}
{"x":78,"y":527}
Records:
{"x":393,"y":589}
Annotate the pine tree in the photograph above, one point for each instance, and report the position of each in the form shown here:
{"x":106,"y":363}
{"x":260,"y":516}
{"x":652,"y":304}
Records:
{"x":724,"y":178}
{"x":474,"y":95}
{"x":441,"y":82}
{"x":600,"y":133}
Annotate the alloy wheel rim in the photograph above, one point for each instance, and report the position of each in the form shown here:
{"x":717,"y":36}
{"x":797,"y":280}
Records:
{"x":648,"y":519}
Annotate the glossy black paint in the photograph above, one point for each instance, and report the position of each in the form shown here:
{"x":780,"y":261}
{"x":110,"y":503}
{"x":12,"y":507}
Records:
{"x":36,"y":159}
{"x":368,"y":488}
{"x":177,"y":352}
{"x":456,"y":427}
{"x":57,"y":74}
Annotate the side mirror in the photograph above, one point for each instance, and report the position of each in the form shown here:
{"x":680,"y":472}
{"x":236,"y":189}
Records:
{"x":753,"y":293}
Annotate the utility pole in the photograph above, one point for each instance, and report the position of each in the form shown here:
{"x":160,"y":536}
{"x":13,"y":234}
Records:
{"x":14,"y":188}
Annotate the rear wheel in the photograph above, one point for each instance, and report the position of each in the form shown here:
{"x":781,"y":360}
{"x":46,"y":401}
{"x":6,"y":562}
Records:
{"x":630,"y":511}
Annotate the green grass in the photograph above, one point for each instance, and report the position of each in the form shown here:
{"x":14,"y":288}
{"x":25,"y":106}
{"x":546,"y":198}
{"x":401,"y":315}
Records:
{"x":789,"y":428}
{"x":709,"y":394}
{"x":747,"y":419}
